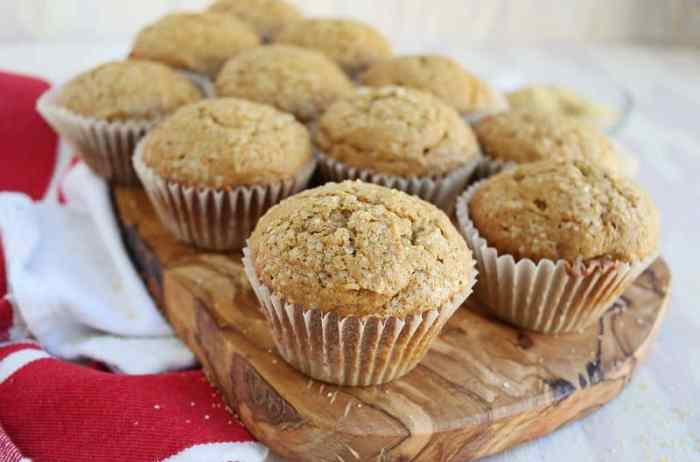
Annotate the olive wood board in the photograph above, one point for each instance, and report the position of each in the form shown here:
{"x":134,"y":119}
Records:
{"x":483,"y":387}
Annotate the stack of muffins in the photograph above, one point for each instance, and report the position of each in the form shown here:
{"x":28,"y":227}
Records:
{"x":224,"y":116}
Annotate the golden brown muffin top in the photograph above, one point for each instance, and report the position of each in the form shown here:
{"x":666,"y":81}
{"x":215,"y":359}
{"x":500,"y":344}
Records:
{"x":226,"y":142}
{"x":569,"y":210}
{"x":563,"y":101}
{"x":352,"y":44}
{"x":199,"y":42}
{"x":127,"y":90}
{"x":360,"y":249}
{"x":440,"y":76}
{"x":397,"y":131}
{"x":524,"y":136}
{"x":265,"y":16}
{"x":303,"y":82}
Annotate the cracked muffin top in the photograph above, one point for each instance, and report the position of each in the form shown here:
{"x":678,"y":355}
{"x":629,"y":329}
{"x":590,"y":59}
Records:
{"x":198,"y":42}
{"x":569,"y":210}
{"x":127,"y":90}
{"x":227,"y":142}
{"x":303,"y":82}
{"x":360,"y":249}
{"x":352,"y":44}
{"x":440,"y":76}
{"x":524,"y":136}
{"x":265,"y":16}
{"x":397,"y":131}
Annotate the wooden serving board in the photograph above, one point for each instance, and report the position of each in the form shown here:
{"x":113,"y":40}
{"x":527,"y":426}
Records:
{"x":483,"y":387}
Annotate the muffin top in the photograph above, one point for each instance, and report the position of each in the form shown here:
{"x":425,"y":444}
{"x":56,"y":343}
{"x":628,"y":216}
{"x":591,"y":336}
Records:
{"x":303,"y":82}
{"x":227,"y":142}
{"x":570,"y":210}
{"x":398,"y":131}
{"x":127,"y":90}
{"x":524,"y":136}
{"x":199,"y":42}
{"x":360,"y":249}
{"x":265,"y":16}
{"x":440,"y":76}
{"x":563,"y":101}
{"x":352,"y":44}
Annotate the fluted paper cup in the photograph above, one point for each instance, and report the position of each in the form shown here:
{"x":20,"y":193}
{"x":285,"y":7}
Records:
{"x":210,"y":218}
{"x":106,"y":147}
{"x":439,"y":190}
{"x":500,"y":105}
{"x":546,"y":296}
{"x":349,"y":350}
{"x":201,"y":81}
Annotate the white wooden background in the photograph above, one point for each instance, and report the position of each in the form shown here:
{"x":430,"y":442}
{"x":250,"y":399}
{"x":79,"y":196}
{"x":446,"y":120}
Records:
{"x":427,"y":23}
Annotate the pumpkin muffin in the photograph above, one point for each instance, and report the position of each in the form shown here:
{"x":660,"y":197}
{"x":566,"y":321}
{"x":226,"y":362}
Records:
{"x":352,"y":44}
{"x":214,"y":167}
{"x":557,"y":241}
{"x":197,"y":42}
{"x":296,"y":80}
{"x":442,"y":77}
{"x":345,"y":271}
{"x":400,"y":138}
{"x":562,"y":101}
{"x":523,"y":136}
{"x":105,"y":111}
{"x":265,"y":16}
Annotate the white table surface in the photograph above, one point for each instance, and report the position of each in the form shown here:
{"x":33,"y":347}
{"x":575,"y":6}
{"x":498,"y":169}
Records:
{"x":657,"y":417}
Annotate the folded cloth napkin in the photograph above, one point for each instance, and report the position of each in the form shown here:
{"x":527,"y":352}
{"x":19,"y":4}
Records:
{"x":72,"y":288}
{"x":73,"y":284}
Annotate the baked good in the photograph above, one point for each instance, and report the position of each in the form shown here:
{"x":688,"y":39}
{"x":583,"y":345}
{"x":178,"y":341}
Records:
{"x":105,"y":111}
{"x":557,"y":241}
{"x":442,"y":77}
{"x":214,"y":167}
{"x":296,"y":80}
{"x":365,"y":258}
{"x":196,"y":42}
{"x":524,"y":136}
{"x":265,"y":16}
{"x":397,"y":137}
{"x":352,"y":44}
{"x":563,"y":101}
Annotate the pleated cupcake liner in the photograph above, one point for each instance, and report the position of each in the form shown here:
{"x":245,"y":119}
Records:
{"x":547,"y":296}
{"x":439,"y":190}
{"x":211,"y":218}
{"x":201,"y":81}
{"x":106,"y":147}
{"x":349,"y":350}
{"x":500,"y":105}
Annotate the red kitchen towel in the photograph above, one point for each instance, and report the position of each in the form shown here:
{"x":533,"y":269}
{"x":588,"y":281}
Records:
{"x":52,"y":410}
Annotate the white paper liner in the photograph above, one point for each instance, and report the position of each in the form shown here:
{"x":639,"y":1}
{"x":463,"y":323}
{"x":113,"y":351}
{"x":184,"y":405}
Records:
{"x":441,"y":191}
{"x":500,"y":104}
{"x":349,"y":350}
{"x":217,"y":219}
{"x":548,"y":296}
{"x":488,"y":167}
{"x":202,"y":81}
{"x":106,"y":147}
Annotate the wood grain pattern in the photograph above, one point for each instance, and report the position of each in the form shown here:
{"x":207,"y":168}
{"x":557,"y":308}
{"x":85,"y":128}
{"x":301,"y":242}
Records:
{"x":483,"y":387}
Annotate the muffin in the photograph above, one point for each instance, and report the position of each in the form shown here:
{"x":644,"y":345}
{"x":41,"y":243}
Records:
{"x":265,"y":16}
{"x":213,"y":168}
{"x":199,"y":43}
{"x":442,"y":77}
{"x":352,"y":44}
{"x":400,"y":138}
{"x":105,"y":111}
{"x":356,"y":280}
{"x":556,"y":242}
{"x":518,"y":137}
{"x":296,"y":80}
{"x":562,"y":101}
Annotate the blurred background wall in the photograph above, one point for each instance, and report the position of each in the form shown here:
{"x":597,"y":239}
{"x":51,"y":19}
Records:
{"x":424,"y":22}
